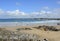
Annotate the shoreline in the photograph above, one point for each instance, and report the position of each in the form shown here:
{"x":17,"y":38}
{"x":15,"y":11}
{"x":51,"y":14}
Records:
{"x":26,"y":23}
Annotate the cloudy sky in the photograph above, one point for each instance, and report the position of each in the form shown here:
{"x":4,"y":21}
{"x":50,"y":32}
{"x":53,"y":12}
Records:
{"x":29,"y":8}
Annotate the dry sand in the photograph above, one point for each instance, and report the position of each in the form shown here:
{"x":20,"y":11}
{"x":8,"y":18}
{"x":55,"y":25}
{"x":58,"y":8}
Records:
{"x":50,"y":35}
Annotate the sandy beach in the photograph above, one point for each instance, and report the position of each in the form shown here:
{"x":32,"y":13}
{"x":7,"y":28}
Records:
{"x":49,"y":35}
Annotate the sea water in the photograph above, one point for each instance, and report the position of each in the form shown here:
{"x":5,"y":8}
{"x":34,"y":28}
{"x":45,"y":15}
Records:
{"x":18,"y":22}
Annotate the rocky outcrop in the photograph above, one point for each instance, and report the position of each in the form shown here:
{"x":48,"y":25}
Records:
{"x":47,"y":28}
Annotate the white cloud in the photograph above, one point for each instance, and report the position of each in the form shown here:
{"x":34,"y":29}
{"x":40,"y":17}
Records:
{"x":15,"y":13}
{"x":11,"y":14}
{"x":42,"y":12}
{"x":1,"y":11}
{"x":35,"y":13}
{"x":55,"y":13}
{"x":48,"y":12}
{"x":19,"y":14}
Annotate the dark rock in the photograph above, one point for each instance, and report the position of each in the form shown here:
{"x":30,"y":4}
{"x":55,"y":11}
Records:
{"x":45,"y":40}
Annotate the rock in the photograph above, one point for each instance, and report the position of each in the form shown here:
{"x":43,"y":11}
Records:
{"x":45,"y":39}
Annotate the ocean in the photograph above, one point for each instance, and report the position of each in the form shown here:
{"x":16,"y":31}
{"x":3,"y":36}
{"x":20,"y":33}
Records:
{"x":14,"y":22}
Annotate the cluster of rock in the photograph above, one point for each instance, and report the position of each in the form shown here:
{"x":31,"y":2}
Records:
{"x":47,"y":28}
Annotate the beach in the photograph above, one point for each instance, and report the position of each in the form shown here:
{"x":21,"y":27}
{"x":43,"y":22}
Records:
{"x":49,"y":35}
{"x":29,"y":30}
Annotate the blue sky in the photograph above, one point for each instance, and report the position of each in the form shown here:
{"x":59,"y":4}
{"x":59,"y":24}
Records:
{"x":29,"y":8}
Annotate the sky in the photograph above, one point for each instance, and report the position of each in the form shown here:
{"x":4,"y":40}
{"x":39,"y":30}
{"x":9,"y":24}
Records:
{"x":29,"y":8}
